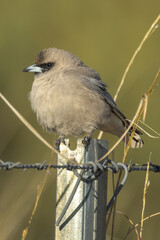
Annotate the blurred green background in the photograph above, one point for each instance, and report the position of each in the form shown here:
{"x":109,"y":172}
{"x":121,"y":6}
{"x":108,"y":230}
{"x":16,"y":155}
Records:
{"x":104,"y":34}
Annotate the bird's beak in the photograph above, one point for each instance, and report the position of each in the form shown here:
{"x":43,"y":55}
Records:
{"x":33,"y":68}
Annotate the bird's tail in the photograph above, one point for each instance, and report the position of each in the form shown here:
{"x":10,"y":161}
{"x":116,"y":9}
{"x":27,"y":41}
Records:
{"x":137,"y":141}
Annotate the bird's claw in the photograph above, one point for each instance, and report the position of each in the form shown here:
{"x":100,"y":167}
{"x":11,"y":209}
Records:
{"x":86,"y":142}
{"x":58,"y":142}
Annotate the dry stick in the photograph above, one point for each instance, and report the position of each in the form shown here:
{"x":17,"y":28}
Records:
{"x":138,"y":118}
{"x":125,"y":154}
{"x":124,"y":134}
{"x":39,"y":193}
{"x":118,"y":90}
{"x":29,"y":126}
{"x":153,"y":27}
{"x":144,"y":195}
{"x":145,"y":109}
{"x":134,"y":128}
{"x":115,"y":145}
{"x":148,"y":128}
{"x":40,"y":189}
{"x":149,"y":135}
{"x":136,"y":225}
{"x":123,"y":214}
{"x":139,"y":113}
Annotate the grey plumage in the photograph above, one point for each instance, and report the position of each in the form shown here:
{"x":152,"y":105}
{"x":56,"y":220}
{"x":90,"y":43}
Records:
{"x":70,"y":98}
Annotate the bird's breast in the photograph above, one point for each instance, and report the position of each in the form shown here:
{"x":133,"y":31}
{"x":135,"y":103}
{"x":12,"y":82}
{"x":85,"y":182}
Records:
{"x":65,"y":109}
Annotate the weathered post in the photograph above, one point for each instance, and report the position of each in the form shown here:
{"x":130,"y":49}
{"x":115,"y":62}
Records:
{"x":85,"y":217}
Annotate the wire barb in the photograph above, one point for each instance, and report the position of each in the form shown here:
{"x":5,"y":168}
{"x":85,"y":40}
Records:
{"x":97,"y":167}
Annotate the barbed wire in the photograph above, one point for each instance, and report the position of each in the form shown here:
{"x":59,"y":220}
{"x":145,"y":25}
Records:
{"x":44,"y":166}
{"x":89,"y":172}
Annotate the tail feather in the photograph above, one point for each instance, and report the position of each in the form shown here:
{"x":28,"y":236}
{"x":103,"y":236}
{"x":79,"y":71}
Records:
{"x":137,"y":141}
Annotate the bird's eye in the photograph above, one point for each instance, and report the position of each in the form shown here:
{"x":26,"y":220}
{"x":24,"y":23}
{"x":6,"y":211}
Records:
{"x":46,"y":66}
{"x":49,"y":65}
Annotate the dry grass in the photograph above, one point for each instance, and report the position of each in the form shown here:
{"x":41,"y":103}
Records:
{"x":135,"y":226}
{"x":27,"y":124}
{"x":134,"y":121}
{"x":145,"y":219}
{"x":152,"y":28}
{"x":142,"y":109}
{"x":39,"y":192}
{"x":125,"y":133}
{"x":131,"y":222}
{"x":32,"y":129}
{"x":146,"y":185}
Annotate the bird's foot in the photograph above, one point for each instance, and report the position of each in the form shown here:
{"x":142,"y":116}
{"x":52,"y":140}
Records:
{"x":86,"y":141}
{"x":58,"y":141}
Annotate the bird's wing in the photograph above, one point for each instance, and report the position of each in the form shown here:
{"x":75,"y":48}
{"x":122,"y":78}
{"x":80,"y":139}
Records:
{"x":92,"y":81}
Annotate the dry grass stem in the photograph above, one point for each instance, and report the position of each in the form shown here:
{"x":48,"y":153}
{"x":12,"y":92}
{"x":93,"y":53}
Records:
{"x":123,"y":214}
{"x":149,"y":135}
{"x":140,"y":113}
{"x":100,"y":135}
{"x":145,"y":108}
{"x":146,"y":185}
{"x":29,"y":126}
{"x":130,"y":221}
{"x":149,"y":128}
{"x":145,"y":219}
{"x":39,"y":193}
{"x":153,"y":84}
{"x":40,"y":189}
{"x":137,"y":119}
{"x":152,"y":28}
{"x":124,"y":134}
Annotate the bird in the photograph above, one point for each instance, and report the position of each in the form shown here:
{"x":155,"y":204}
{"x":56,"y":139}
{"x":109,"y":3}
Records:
{"x":70,"y":99}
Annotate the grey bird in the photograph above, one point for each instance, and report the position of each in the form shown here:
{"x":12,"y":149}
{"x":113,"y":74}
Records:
{"x":70,"y":99}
